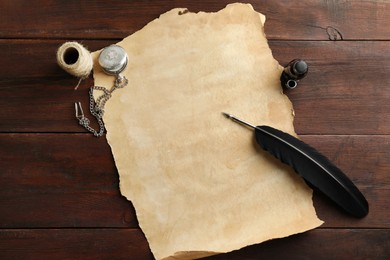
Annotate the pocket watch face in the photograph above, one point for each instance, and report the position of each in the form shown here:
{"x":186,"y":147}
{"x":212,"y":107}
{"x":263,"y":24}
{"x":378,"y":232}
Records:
{"x":113,"y":59}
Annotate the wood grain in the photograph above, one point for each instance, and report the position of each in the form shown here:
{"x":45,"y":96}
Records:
{"x":73,"y":244}
{"x":59,"y":195}
{"x":131,"y":244}
{"x":60,"y":181}
{"x":345,"y":91}
{"x":64,"y":180}
{"x":287,"y":20}
{"x":365,"y":160}
{"x":320,"y":244}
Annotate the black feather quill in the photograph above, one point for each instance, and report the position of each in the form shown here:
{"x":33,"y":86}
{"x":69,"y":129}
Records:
{"x":312,"y":166}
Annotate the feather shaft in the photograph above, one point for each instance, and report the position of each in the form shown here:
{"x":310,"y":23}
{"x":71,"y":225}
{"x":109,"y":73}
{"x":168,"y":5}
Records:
{"x":311,"y":165}
{"x":314,"y":167}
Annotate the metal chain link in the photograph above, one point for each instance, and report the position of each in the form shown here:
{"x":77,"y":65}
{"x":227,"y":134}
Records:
{"x":97,"y":107}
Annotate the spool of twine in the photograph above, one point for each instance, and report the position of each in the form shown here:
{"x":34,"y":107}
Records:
{"x":75,"y":59}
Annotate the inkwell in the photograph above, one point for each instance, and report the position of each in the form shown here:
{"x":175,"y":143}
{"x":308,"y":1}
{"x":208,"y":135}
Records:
{"x":293,"y":72}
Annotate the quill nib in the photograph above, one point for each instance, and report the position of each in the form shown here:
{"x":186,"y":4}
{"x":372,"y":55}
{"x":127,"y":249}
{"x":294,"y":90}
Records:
{"x":237,"y":120}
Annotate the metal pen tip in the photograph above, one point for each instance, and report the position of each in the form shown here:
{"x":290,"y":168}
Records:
{"x":230,"y":116}
{"x":227,"y":115}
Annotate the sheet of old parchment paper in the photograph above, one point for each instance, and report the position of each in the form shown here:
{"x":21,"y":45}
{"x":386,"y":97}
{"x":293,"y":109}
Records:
{"x":198,"y":183}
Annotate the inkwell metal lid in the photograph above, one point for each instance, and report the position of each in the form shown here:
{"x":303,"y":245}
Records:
{"x":113,"y":59}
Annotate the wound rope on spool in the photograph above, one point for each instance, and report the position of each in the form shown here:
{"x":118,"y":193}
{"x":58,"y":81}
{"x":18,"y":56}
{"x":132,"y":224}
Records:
{"x":75,"y":59}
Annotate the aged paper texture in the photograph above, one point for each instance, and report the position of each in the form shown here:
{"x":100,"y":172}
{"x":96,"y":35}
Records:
{"x":199,"y":184}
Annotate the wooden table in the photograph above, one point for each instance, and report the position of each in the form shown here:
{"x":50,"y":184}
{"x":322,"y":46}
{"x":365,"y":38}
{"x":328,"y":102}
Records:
{"x":59,"y":195}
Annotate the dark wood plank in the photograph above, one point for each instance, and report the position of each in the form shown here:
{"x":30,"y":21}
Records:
{"x":365,"y":159}
{"x":303,"y":20}
{"x":131,"y":244}
{"x":69,"y":180}
{"x":36,"y":92}
{"x":320,"y":244}
{"x":62,"y":162}
{"x":60,"y":181}
{"x":28,"y":58}
{"x":73,"y":244}
{"x":53,"y":209}
{"x":344,"y":93}
{"x":334,"y":217}
{"x":62,"y":186}
{"x":43,"y":105}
